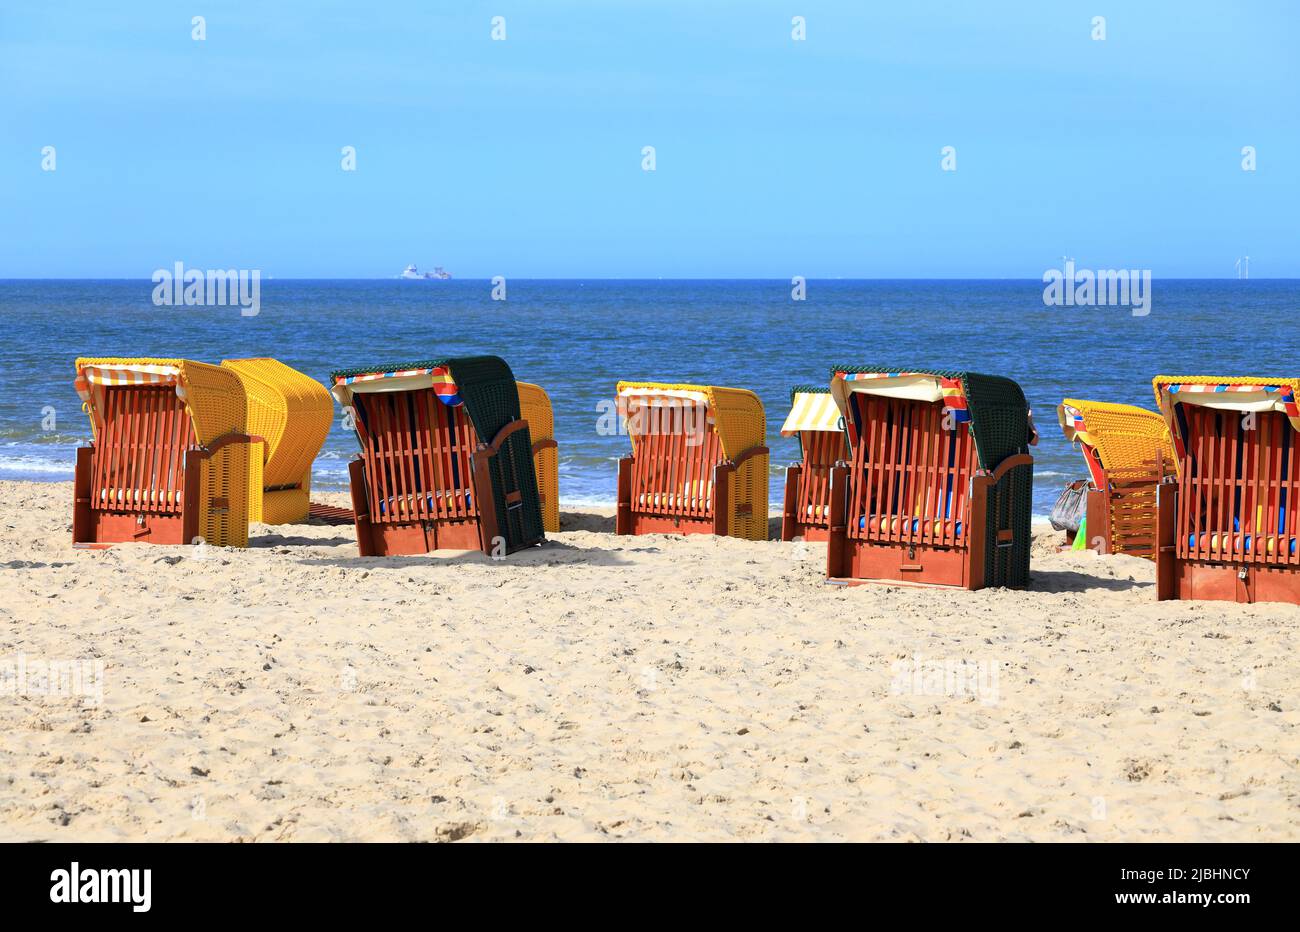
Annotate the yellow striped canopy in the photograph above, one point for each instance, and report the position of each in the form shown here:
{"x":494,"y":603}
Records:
{"x":811,"y":411}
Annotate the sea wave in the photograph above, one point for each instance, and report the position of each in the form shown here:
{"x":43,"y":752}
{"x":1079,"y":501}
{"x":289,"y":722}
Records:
{"x":23,"y":467}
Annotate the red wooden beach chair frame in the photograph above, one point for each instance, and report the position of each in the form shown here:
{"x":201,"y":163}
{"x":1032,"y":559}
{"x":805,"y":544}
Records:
{"x":1207,"y":512}
{"x":903,"y":453}
{"x":400,"y":454}
{"x":806,"y":511}
{"x":140,"y":480}
{"x":688,"y":455}
{"x":647,"y":480}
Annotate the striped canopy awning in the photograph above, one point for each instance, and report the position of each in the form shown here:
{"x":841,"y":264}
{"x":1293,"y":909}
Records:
{"x":812,"y":411}
{"x":663,"y":409}
{"x":665,"y":396}
{"x":105,"y":375}
{"x":1239,"y":394}
{"x":918,"y":385}
{"x":438,"y":378}
{"x":995,"y":411}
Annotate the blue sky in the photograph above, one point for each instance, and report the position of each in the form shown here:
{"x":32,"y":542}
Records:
{"x":774,"y":157}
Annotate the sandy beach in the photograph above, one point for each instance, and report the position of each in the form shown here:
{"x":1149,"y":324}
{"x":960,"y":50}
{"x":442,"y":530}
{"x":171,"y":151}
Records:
{"x":599,"y":688}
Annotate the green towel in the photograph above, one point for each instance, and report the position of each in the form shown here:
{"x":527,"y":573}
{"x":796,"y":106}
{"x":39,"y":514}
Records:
{"x":1081,"y":538}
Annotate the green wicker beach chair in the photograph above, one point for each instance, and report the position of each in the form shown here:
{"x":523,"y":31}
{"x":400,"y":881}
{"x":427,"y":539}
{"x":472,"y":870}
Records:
{"x":426,"y":479}
{"x":938,"y":490}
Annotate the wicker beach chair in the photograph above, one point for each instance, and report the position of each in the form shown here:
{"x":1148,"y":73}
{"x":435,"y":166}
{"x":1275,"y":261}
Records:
{"x":425,"y":479}
{"x":938,"y":488}
{"x":293,"y":412}
{"x":1228,"y":523}
{"x":535,"y":406}
{"x":815,"y":419}
{"x":698,"y":463}
{"x":169,"y":459}
{"x":1128,"y":452}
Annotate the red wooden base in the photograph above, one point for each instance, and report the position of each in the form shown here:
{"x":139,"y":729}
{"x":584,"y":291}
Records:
{"x":808,"y":532}
{"x":1227,"y":583}
{"x":106,"y":528}
{"x":867,"y":562}
{"x":634,"y":523}
{"x":399,"y":540}
{"x":97,"y":530}
{"x":1178,"y":578}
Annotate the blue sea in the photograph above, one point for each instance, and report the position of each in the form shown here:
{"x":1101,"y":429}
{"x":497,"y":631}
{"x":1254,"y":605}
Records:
{"x":577,"y":338}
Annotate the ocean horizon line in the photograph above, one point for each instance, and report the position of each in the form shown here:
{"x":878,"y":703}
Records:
{"x":812,"y":278}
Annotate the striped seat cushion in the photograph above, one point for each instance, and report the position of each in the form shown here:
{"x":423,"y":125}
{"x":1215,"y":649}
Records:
{"x":1238,"y":543}
{"x":896,"y":523}
{"x":669,"y":500}
{"x":139,"y":496}
{"x":697,"y":494}
{"x":430,"y":498}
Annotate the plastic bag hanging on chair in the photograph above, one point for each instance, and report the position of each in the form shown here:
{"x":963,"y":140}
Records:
{"x":1070,"y":506}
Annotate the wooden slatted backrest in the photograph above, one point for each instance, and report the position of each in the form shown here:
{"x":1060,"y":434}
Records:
{"x":910,"y":476}
{"x":822,"y":449}
{"x":1239,"y":490}
{"x":417,"y":453}
{"x":672,"y":469}
{"x":139,"y":453}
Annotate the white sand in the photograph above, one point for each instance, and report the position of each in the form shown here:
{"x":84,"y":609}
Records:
{"x":624,"y":688}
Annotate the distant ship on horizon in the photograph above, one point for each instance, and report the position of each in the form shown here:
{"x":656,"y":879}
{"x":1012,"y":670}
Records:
{"x":439,"y":274}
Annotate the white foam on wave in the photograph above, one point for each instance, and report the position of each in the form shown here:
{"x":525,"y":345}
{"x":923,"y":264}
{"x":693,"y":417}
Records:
{"x":30,"y":466}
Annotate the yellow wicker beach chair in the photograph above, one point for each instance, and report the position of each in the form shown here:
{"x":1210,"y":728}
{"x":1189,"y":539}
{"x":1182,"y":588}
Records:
{"x":698,"y":463}
{"x":535,"y":408}
{"x":169,"y":461}
{"x":1129,"y":453}
{"x":293,"y":412}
